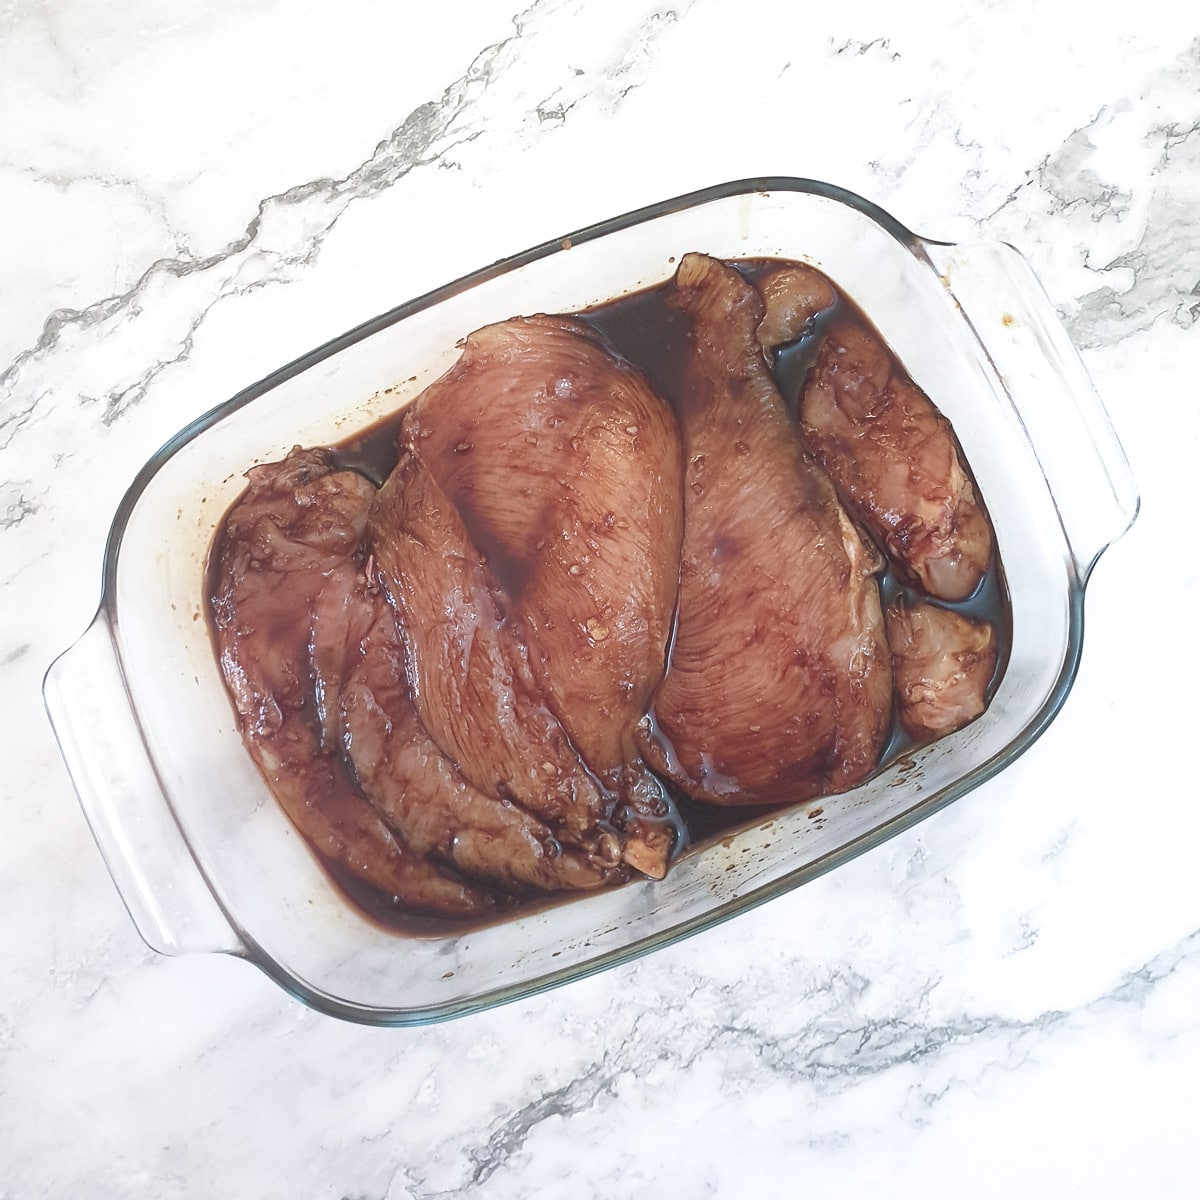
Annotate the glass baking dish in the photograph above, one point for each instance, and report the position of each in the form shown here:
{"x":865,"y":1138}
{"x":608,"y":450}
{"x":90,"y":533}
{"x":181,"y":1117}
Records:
{"x":204,"y":858}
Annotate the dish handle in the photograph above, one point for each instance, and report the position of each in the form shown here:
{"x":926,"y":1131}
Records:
{"x":1050,"y":390}
{"x":143,"y":847}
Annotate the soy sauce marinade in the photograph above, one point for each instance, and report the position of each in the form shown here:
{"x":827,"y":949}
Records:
{"x":652,"y":335}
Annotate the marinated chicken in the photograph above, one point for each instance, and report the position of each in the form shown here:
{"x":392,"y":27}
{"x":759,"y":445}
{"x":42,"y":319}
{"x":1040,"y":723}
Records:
{"x":287,"y":607}
{"x":422,"y":795}
{"x":895,"y":463}
{"x":566,"y":470}
{"x":793,"y":295}
{"x":944,"y":663}
{"x":779,"y":681}
{"x":585,"y":612}
{"x":470,"y":673}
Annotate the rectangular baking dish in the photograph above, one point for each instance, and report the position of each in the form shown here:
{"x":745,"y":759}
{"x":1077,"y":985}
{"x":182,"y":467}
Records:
{"x":202,"y":855}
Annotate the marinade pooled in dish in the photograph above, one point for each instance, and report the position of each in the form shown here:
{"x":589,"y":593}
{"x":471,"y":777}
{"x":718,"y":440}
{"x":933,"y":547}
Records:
{"x":616,"y":581}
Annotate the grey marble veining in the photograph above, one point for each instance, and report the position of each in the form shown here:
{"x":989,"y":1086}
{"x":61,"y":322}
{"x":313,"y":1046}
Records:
{"x":1001,"y":1001}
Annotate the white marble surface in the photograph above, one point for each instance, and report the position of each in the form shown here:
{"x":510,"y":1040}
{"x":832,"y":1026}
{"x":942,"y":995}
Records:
{"x":1005,"y":1000}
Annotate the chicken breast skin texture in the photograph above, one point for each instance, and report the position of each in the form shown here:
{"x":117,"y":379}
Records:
{"x":895,"y":462}
{"x":419,"y":791}
{"x":944,"y":663}
{"x":779,"y":682}
{"x":566,"y":469}
{"x":286,"y":611}
{"x":470,"y":675}
{"x":793,"y":295}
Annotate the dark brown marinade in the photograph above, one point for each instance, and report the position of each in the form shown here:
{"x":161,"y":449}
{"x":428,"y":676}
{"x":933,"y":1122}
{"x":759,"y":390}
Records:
{"x":652,"y":335}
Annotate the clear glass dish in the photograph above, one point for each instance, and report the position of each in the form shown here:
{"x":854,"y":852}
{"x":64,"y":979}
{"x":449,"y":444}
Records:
{"x":202,"y":855}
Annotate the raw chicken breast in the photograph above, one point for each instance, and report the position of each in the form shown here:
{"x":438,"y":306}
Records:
{"x":471,"y":681}
{"x":792,"y":296}
{"x":420,"y":792}
{"x":944,"y":663}
{"x":779,"y":683}
{"x":895,"y":463}
{"x":565,"y":467}
{"x":288,"y":607}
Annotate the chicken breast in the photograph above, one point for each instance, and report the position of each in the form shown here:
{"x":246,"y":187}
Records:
{"x":414,"y":785}
{"x":470,"y":674}
{"x":566,"y":470}
{"x":779,"y":681}
{"x":792,"y":296}
{"x":895,"y":462}
{"x":943,"y":662}
{"x":288,"y":607}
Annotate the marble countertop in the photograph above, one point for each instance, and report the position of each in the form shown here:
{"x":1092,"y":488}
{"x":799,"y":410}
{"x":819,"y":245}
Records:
{"x":1003,"y":1000}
